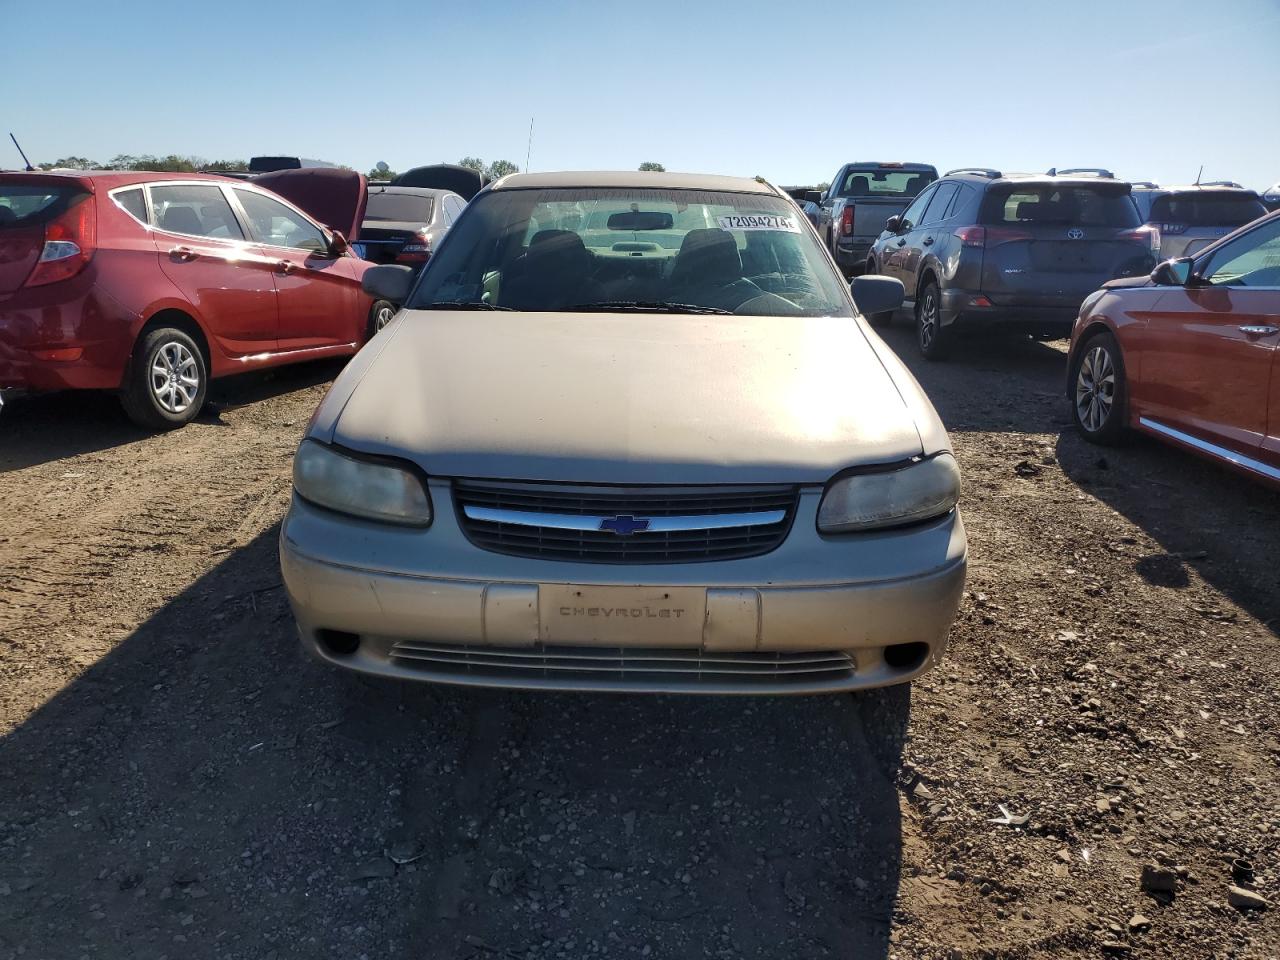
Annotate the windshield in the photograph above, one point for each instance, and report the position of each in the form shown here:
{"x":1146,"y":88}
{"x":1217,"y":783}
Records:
{"x":1207,"y":209}
{"x":404,"y":207}
{"x":1103,"y":205}
{"x":634,"y":249}
{"x":28,"y":204}
{"x":876,"y":182}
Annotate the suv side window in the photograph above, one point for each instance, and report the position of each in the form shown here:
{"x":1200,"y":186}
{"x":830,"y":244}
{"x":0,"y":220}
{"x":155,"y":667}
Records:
{"x":913,"y":215}
{"x":1249,"y":261}
{"x":276,"y":225}
{"x":198,"y":210}
{"x":962,"y":196}
{"x":941,"y":200}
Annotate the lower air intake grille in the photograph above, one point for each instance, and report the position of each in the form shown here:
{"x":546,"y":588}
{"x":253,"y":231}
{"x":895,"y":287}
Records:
{"x":659,"y":667}
{"x":657,"y":524}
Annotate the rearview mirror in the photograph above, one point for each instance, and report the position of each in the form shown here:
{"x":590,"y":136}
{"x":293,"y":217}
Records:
{"x":390,"y":281}
{"x":641,"y":220}
{"x":874,"y":294}
{"x":338,"y":244}
{"x":813,"y":196}
{"x":1173,"y":273}
{"x":893,"y":224}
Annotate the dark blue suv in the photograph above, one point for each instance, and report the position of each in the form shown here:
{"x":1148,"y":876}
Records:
{"x":980,"y":250}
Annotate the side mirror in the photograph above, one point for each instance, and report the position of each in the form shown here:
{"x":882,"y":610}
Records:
{"x":338,"y":244}
{"x":390,"y":281}
{"x":893,"y":224}
{"x":813,"y":196}
{"x":874,"y":294}
{"x":1173,"y":273}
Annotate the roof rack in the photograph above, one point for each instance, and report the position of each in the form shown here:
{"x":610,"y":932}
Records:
{"x":980,"y":171}
{"x":1146,"y":183}
{"x":1220,"y":183}
{"x":1077,"y":171}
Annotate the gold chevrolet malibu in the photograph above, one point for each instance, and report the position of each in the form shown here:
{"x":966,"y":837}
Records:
{"x":627,"y":432}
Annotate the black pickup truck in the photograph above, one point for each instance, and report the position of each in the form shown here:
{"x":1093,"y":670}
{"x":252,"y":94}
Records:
{"x":862,"y":196}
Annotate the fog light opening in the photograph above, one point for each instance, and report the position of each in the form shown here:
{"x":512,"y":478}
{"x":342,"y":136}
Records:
{"x":338,"y":643}
{"x":906,"y":657}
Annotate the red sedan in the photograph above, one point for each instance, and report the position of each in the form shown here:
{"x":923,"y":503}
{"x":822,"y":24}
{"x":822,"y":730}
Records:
{"x":152,"y":283}
{"x":1189,"y":354}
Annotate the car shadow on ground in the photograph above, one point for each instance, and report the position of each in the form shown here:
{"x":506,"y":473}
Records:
{"x":1203,"y":516}
{"x":44,"y":428}
{"x":1021,"y":379}
{"x":205,"y":790}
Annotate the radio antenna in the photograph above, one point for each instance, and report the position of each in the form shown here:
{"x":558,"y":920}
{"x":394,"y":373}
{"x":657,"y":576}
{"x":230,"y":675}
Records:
{"x":30,"y":168}
{"x":1200,"y":174}
{"x":529,"y":149}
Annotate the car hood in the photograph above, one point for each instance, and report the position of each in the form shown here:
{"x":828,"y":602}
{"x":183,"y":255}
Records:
{"x":1121,"y":282}
{"x":623,"y":398}
{"x":334,"y":196}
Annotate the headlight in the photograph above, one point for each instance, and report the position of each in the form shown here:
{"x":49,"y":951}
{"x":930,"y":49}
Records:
{"x":362,"y":488}
{"x":891,"y":498}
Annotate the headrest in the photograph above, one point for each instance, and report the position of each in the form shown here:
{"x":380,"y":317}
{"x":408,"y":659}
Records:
{"x":181,"y":220}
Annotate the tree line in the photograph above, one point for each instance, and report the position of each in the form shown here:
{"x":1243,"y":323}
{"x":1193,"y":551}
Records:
{"x":173,"y":163}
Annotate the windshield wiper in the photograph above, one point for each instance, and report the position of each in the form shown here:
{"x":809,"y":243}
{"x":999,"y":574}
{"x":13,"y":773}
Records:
{"x":458,"y":305}
{"x":641,"y":306}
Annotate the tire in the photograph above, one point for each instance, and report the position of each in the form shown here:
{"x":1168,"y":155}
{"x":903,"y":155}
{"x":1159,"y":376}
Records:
{"x":380,"y":315}
{"x":933,"y":340}
{"x":167,"y":381}
{"x":1099,"y":391}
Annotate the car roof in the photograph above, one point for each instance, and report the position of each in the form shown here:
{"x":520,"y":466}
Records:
{"x":1211,"y":187}
{"x":590,"y":179}
{"x":115,"y":178}
{"x":893,"y":165}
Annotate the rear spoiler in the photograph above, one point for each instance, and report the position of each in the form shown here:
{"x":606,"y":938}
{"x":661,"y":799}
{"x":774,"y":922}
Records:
{"x":1222,"y":183}
{"x":1147,"y":184}
{"x":980,"y":171}
{"x":1080,"y":171}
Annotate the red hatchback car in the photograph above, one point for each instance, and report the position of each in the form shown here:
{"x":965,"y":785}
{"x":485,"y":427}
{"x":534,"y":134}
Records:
{"x":152,"y":283}
{"x":1189,"y":354}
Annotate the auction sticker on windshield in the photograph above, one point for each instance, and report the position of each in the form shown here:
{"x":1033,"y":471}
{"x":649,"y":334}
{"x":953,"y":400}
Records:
{"x":759,"y":221}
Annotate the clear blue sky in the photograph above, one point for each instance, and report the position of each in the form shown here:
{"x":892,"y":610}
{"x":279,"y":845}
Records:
{"x":785,"y":90}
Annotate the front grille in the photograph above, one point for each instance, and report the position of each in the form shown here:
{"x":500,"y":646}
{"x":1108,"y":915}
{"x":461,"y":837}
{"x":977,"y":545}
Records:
{"x":634,"y":666}
{"x":544,"y":541}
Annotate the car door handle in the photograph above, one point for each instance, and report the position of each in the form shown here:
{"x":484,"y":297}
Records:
{"x":284,"y":266}
{"x":927,"y":241}
{"x":1259,"y":330}
{"x":902,"y":242}
{"x":184,"y":254}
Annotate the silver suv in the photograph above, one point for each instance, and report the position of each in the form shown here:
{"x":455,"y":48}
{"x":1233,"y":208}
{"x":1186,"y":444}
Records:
{"x":1188,"y":219}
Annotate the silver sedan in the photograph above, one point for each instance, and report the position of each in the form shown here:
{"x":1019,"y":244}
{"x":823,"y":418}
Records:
{"x":629,"y":432}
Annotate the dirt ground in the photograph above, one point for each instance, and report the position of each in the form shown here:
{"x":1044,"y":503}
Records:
{"x":177,"y":780}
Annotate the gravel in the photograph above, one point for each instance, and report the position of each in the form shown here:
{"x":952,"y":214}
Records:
{"x":178,"y":781}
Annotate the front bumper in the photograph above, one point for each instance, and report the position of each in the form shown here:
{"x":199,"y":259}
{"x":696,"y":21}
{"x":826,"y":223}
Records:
{"x":818,"y":614}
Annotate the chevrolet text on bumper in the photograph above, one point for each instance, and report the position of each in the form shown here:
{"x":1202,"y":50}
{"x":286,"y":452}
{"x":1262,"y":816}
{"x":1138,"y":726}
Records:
{"x":758,"y":500}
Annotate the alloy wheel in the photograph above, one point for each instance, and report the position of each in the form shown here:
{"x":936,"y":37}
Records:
{"x":928,"y":319}
{"x":1095,"y":389}
{"x":383,"y":317}
{"x":175,"y":377}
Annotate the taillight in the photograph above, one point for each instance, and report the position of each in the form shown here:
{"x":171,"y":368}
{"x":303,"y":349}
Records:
{"x":416,"y":250}
{"x":69,"y":242}
{"x":1148,"y":235}
{"x":972,"y":236}
{"x":846,"y":221}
